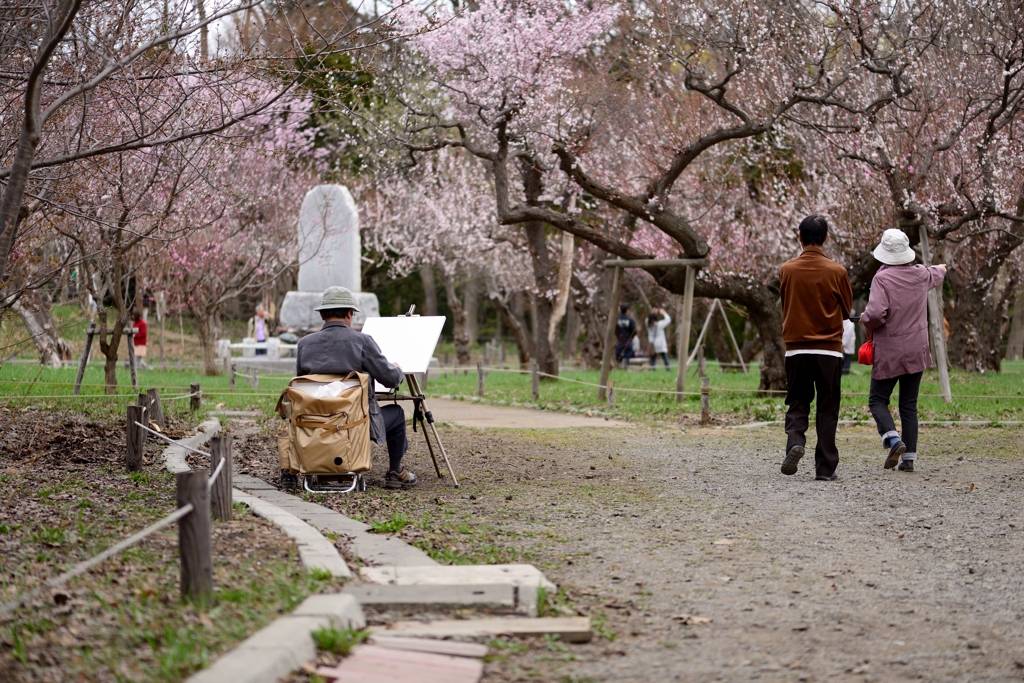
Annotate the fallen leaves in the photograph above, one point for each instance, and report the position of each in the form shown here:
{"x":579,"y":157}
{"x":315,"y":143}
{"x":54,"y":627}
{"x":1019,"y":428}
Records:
{"x":691,"y":620}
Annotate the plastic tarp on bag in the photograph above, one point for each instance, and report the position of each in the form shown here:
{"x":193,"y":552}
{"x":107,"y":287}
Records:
{"x":326,"y":434}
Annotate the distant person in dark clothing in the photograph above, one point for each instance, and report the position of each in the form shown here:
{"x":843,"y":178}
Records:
{"x":337,"y":349}
{"x":816,"y":299}
{"x":625,"y":330}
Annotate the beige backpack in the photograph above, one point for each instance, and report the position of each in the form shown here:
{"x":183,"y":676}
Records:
{"x":326,"y":435}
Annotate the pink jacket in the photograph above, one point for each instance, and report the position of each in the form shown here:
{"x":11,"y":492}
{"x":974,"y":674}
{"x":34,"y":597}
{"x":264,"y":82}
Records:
{"x":897,"y":315}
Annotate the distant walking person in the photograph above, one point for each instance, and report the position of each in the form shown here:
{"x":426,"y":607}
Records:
{"x":849,"y":343}
{"x":257,"y":328}
{"x":139,"y":339}
{"x":816,"y":298}
{"x":897,"y":318}
{"x":657,"y":321}
{"x":625,"y":330}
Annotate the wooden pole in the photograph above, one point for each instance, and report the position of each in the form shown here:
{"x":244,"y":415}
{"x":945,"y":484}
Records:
{"x":728,"y":327}
{"x":147,"y":408}
{"x":231,"y":377}
{"x":705,"y":400}
{"x":194,"y":537}
{"x":156,"y":410}
{"x":84,"y":360}
{"x":195,"y":399}
{"x":255,"y":379}
{"x":609,"y":333}
{"x":129,"y":333}
{"x":700,"y":337}
{"x":135,"y":438}
{"x":220,"y":490}
{"x":683,"y":334}
{"x":535,"y":376}
{"x":479,"y":379}
{"x":161,"y":313}
{"x":935,"y":327}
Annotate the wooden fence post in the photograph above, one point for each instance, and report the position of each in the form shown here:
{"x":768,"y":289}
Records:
{"x":255,"y":379}
{"x":220,"y":491}
{"x":147,"y":409}
{"x":609,"y":332}
{"x":84,"y":360}
{"x":936,"y":330}
{"x":194,"y":537}
{"x":231,"y":377}
{"x":683,"y":333}
{"x":611,"y":393}
{"x":135,"y":438}
{"x":197,"y":395}
{"x":705,"y":400}
{"x":156,"y":411}
{"x":535,"y":373}
{"x":479,"y":379}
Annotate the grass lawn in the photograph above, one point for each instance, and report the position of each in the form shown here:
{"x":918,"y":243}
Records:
{"x":991,"y":397}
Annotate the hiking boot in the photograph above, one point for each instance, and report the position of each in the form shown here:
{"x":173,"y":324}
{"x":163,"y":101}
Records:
{"x":898,"y":449}
{"x":824,"y":477}
{"x":792,"y":458}
{"x":906,"y":466}
{"x":289,"y":481}
{"x":396,"y":480}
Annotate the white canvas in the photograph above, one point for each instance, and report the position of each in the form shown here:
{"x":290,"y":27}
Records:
{"x":408,"y":341}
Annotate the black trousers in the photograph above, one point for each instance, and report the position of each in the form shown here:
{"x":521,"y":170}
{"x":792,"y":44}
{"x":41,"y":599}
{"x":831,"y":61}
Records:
{"x":809,"y":373}
{"x":394,"y":432}
{"x":878,"y":403}
{"x":654,"y":358}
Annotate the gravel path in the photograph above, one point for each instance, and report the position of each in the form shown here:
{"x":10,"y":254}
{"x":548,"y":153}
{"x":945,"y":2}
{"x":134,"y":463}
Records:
{"x":880,"y":576}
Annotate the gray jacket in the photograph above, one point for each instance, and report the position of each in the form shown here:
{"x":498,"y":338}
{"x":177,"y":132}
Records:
{"x":335,"y":350}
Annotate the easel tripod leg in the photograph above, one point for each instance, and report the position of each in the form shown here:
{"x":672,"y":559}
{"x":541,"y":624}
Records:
{"x":414,"y":386}
{"x":426,"y":437}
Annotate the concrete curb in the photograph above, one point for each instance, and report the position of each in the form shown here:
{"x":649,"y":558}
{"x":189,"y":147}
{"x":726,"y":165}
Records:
{"x":316,"y":551}
{"x":174,"y":456}
{"x":281,"y":647}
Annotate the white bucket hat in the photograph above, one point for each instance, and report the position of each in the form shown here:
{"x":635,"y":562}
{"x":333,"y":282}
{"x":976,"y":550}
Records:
{"x":894,"y":249}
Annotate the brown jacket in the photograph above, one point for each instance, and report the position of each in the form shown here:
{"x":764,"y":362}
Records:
{"x":816,"y":298}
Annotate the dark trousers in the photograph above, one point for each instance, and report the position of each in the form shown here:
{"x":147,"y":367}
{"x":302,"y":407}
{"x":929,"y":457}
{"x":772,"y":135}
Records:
{"x":623,"y":352}
{"x":807,"y":373}
{"x":878,"y":402}
{"x":654,"y":358}
{"x":847,"y":362}
{"x":394,"y":432}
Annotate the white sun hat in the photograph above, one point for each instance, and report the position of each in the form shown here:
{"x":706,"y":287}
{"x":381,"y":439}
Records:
{"x":894,"y":249}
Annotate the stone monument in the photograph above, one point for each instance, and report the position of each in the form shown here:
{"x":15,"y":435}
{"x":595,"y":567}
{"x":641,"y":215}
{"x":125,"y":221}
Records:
{"x":330,"y":254}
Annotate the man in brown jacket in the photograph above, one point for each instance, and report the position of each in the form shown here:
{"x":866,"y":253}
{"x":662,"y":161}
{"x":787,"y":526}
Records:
{"x":816,"y":298}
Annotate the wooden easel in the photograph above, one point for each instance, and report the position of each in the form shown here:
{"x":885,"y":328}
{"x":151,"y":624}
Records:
{"x":421,"y":413}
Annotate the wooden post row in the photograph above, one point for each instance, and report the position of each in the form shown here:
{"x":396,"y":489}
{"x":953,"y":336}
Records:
{"x":220,"y":490}
{"x":480,"y":379}
{"x":135,"y":438}
{"x":195,"y":400}
{"x":194,"y":537}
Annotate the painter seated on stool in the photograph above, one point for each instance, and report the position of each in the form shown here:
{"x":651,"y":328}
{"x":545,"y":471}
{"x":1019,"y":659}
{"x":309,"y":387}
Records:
{"x":337,"y":349}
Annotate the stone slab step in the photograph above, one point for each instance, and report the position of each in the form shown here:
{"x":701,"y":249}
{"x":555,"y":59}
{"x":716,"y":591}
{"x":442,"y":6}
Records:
{"x":569,"y":629}
{"x":496,"y":597}
{"x":440,"y":647}
{"x":375,"y":664}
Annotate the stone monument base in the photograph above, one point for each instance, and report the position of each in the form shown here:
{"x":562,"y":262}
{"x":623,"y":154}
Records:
{"x":297,"y":311}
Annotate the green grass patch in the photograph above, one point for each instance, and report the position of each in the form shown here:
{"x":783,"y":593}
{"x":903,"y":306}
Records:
{"x":392,"y":525}
{"x":339,"y":641}
{"x":996,"y":397}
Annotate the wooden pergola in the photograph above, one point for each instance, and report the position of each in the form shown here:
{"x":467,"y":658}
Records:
{"x":682,"y":331}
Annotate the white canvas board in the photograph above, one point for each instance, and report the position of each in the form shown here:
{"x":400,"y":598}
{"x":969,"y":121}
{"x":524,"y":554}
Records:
{"x":406,"y":340}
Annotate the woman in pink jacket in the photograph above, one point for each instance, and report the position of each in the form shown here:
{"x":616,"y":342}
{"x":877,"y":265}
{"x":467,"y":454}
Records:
{"x":897,"y":316}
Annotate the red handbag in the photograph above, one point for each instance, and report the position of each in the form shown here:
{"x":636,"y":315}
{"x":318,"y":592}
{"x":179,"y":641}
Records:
{"x":866,"y":353}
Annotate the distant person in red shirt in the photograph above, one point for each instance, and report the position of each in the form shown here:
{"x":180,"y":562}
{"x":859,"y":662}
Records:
{"x":140,"y":340}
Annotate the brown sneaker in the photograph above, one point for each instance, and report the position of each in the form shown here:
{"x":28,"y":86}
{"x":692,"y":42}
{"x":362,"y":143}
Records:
{"x":898,"y":449}
{"x":906,"y":466}
{"x":398,"y":480}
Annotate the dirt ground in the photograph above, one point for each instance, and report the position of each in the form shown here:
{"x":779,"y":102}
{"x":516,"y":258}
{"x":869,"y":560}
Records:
{"x":879,"y":576}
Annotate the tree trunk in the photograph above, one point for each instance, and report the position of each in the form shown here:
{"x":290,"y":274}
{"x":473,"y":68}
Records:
{"x":471,"y":294}
{"x":516,"y":323}
{"x":544,"y":276}
{"x":429,"y":290}
{"x":977,"y":319}
{"x":458,"y":322}
{"x":572,"y":333}
{"x":35,"y":314}
{"x":208,"y":330}
{"x":762,"y":311}
{"x":1015,"y":347}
